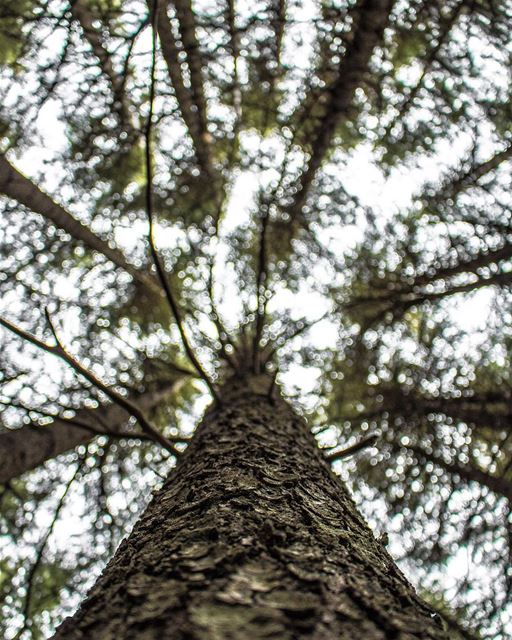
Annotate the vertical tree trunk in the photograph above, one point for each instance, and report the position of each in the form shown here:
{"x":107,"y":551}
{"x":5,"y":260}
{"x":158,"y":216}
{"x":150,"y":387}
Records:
{"x":252,"y":537}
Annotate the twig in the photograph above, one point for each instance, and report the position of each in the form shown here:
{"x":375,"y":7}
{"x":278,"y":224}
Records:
{"x":59,"y":351}
{"x":157,"y":473}
{"x":261,"y":285}
{"x":369,"y":441}
{"x":270,"y":392}
{"x":149,"y":211}
{"x":40,"y":550}
{"x":317,"y":430}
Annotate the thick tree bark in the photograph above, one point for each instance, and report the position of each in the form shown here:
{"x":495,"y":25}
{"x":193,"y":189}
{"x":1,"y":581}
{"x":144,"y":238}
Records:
{"x":252,"y":536}
{"x":29,"y":446}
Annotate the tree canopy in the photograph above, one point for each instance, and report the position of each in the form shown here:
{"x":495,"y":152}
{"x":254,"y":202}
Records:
{"x":318,"y":188}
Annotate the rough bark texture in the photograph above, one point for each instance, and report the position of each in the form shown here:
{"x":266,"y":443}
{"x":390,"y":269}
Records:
{"x":252,"y":537}
{"x":26,"y":448}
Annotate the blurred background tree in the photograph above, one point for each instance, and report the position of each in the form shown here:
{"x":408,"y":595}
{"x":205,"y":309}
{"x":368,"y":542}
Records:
{"x":331,"y":199}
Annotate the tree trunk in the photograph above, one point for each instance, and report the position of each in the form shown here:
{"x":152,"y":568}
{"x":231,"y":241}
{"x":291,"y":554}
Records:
{"x":29,"y":446}
{"x":252,"y":536}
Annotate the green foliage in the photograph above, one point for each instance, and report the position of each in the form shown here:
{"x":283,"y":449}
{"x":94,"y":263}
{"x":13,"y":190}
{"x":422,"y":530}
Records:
{"x":48,"y":582}
{"x":410,"y":48}
{"x":13,"y":15}
{"x":259,"y":103}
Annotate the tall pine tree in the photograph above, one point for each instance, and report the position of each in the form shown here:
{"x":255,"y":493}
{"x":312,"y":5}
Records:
{"x":293,"y":218}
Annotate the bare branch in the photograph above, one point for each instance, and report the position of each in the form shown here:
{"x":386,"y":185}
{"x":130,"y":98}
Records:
{"x":59,"y":351}
{"x":149,"y":210}
{"x":368,"y":441}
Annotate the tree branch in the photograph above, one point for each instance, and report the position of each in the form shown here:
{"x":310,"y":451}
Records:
{"x":187,"y":25}
{"x":82,"y":14}
{"x":16,"y":186}
{"x":149,"y":211}
{"x":500,"y":486}
{"x":261,"y":291}
{"x":368,"y":441}
{"x":40,"y":551}
{"x":186,"y":106}
{"x":446,"y":28}
{"x":59,"y":351}
{"x":223,"y":334}
{"x":76,"y":422}
{"x":370,"y":19}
